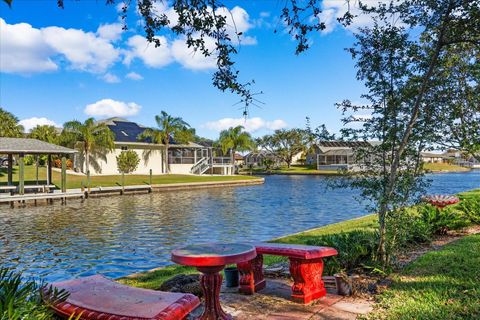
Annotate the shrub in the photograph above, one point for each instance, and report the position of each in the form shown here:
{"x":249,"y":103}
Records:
{"x":356,"y":249}
{"x":408,"y":228}
{"x":42,"y":160}
{"x":127,"y":161}
{"x":25,"y":300}
{"x":57,"y":163}
{"x":29,"y":160}
{"x":471,"y":208}
{"x":443,"y":220}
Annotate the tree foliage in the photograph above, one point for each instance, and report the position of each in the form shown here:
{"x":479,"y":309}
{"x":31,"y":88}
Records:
{"x":400,"y":60}
{"x":459,"y":109}
{"x":285,"y":144}
{"x":235,"y":139}
{"x":91,"y":137}
{"x":168,"y":127}
{"x":9,"y":126}
{"x":45,"y":133}
{"x":127,"y":161}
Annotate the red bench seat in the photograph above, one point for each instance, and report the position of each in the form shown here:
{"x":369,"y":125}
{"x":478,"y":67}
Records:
{"x":306,"y":267}
{"x":98,"y":298}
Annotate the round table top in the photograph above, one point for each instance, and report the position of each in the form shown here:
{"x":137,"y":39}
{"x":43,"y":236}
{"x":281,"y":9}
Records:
{"x":441,"y":200}
{"x":213,"y":254}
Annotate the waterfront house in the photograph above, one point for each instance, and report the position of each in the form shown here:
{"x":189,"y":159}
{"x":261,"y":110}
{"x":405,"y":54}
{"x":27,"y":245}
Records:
{"x":239,"y":159}
{"x":335,"y":155}
{"x":259,"y":158}
{"x":430,"y":157}
{"x":190,"y":158}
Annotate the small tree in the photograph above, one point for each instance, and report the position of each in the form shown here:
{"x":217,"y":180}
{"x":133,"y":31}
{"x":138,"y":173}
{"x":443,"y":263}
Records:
{"x":127,"y":161}
{"x":284,"y":144}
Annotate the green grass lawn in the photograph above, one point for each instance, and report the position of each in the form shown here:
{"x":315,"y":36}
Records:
{"x":76,"y":181}
{"x":444,"y":167}
{"x":442,"y":284}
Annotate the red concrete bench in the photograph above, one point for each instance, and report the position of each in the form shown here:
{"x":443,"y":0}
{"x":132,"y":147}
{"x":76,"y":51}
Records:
{"x":306,"y":267}
{"x":98,"y":298}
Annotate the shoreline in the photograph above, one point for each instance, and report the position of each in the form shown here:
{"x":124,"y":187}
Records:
{"x":96,"y":192}
{"x":326,"y":173}
{"x":345,"y":225}
{"x":150,"y":278}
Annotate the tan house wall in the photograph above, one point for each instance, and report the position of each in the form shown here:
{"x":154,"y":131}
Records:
{"x":109,"y":165}
{"x":180,"y":168}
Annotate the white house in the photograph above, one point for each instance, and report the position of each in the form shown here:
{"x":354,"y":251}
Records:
{"x":188,"y":158}
{"x":430,"y":157}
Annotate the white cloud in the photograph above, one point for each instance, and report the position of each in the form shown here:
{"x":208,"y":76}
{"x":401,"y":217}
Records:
{"x":27,"y":50}
{"x":333,"y":9}
{"x":250,"y":124}
{"x":31,"y":123}
{"x":153,"y":57}
{"x":191,"y":59}
{"x":110,"y":78}
{"x":238,"y":21}
{"x":166,"y":53}
{"x":23,"y":49}
{"x":160,"y":7}
{"x":119,"y":6}
{"x":111,"y":32}
{"x":112,"y":108}
{"x":84,"y":50}
{"x":134,"y":76}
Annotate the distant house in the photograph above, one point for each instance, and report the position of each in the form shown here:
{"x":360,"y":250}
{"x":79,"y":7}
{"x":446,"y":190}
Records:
{"x":335,"y":155}
{"x":462,"y":159}
{"x":430,"y":157}
{"x":188,"y":158}
{"x":258,"y":158}
{"x":299,"y":158}
{"x":239,"y":159}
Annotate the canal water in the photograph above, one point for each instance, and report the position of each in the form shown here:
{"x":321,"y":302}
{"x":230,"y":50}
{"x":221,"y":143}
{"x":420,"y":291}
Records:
{"x":116,"y":236}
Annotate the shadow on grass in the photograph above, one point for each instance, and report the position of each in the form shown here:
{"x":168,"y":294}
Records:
{"x":443,"y":284}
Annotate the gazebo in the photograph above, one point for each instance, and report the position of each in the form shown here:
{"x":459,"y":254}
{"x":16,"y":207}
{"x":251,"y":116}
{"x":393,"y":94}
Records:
{"x":24,"y":146}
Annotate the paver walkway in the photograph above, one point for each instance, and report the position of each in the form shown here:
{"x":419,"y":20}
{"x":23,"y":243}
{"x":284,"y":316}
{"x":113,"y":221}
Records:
{"x":274,"y":303}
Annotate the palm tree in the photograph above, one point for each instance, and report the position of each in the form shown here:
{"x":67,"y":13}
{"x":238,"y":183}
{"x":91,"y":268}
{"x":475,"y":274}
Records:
{"x":9,"y":126}
{"x":90,"y":137}
{"x":168,"y":127}
{"x":45,"y":133}
{"x":235,"y":139}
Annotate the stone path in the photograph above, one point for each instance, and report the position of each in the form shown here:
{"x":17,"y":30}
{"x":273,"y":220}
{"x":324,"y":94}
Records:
{"x":273,"y":302}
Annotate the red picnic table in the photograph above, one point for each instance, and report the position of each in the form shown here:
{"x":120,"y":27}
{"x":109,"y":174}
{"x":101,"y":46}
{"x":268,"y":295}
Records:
{"x":210,"y":259}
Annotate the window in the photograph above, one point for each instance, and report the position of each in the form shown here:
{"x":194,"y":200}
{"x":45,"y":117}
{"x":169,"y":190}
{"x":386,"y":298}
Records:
{"x":124,"y":148}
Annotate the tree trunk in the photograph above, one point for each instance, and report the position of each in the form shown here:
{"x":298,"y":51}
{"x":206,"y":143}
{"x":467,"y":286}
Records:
{"x":381,"y":250}
{"x":167,"y":162}
{"x":87,"y":161}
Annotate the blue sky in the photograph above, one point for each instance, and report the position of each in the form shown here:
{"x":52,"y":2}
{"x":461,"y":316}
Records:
{"x":59,"y":65}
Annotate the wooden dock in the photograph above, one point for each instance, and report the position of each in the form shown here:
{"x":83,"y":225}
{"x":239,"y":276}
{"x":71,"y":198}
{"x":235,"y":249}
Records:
{"x":97,"y":191}
{"x":48,"y":197}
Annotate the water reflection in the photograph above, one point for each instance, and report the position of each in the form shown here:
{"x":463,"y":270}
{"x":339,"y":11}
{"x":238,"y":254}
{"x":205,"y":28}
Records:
{"x":116,"y":236}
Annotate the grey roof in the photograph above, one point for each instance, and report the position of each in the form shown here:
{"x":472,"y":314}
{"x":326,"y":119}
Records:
{"x":344,"y":144}
{"x":30,"y":146}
